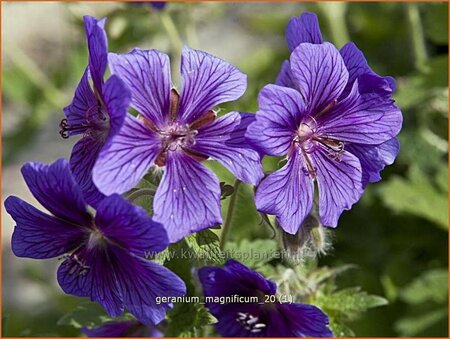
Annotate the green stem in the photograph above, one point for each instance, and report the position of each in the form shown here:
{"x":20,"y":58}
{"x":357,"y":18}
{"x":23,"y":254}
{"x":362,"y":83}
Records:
{"x":172,"y":31}
{"x":334,"y":13}
{"x":28,"y":67}
{"x":191,"y":32}
{"x":139,"y":193}
{"x":231,"y":206}
{"x":417,"y":37}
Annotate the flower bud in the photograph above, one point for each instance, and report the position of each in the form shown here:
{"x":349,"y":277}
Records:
{"x":310,"y":240}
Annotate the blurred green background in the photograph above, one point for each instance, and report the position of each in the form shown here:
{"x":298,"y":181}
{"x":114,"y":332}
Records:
{"x":396,"y":235}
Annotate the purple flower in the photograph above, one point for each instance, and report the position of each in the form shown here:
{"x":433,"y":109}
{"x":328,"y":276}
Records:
{"x":334,"y":121}
{"x":262,"y":318}
{"x":97,"y":113}
{"x":337,"y":142}
{"x":102,"y":254}
{"x":177,"y":132}
{"x":119,"y":329}
{"x":373,"y":158}
{"x":159,"y":5}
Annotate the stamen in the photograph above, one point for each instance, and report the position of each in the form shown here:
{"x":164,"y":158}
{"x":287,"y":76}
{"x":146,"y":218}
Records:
{"x":310,"y":170}
{"x":65,"y":128}
{"x":78,"y":267}
{"x":334,"y":147}
{"x":327,"y":108}
{"x":250,"y":322}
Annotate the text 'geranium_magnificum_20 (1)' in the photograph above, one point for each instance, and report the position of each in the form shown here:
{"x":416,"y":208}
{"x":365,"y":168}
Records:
{"x":96,"y":112}
{"x":334,"y":120}
{"x":266,"y":316}
{"x":104,"y":255}
{"x":176,"y":132}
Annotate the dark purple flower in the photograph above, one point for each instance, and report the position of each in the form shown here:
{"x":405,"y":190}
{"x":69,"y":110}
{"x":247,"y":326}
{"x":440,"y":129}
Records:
{"x":265,"y":318}
{"x":177,"y":132}
{"x":312,"y":126}
{"x":103,"y":255}
{"x":97,"y":113}
{"x":373,"y":158}
{"x":159,"y":5}
{"x":119,"y":329}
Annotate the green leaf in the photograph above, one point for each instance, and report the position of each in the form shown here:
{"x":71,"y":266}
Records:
{"x":350,"y":303}
{"x":205,"y":245}
{"x":430,"y":286}
{"x":402,"y":195}
{"x":340,"y":329}
{"x":436,"y":22}
{"x":324,"y":273}
{"x":87,"y":314}
{"x":412,"y":326}
{"x":186,"y":319}
{"x":254,"y":253}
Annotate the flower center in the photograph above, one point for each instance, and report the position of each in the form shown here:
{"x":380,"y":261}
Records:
{"x":308,"y":138}
{"x":250,"y":322}
{"x":177,"y":135}
{"x":96,"y":238}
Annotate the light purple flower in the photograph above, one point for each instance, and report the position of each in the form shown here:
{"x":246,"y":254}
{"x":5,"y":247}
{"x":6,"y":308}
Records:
{"x":312,"y":125}
{"x":103,"y":255}
{"x":177,"y":132}
{"x":97,"y":113}
{"x":373,"y":158}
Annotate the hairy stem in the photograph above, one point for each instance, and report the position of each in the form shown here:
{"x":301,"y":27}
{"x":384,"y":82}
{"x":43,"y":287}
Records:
{"x":231,"y":206}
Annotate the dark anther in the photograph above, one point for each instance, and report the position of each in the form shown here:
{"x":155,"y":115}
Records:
{"x":64,"y":130}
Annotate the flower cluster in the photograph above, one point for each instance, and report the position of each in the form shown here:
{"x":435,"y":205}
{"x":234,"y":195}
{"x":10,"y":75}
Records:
{"x":328,"y":114}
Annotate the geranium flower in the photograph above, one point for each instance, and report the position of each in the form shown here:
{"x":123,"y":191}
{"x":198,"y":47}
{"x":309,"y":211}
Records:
{"x":312,"y":125}
{"x":177,"y":132}
{"x":266,"y":318}
{"x":373,"y":158}
{"x":103,"y":255}
{"x":97,"y":113}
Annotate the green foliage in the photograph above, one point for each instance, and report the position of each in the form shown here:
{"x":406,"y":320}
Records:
{"x":435,"y":19}
{"x":350,"y":303}
{"x":412,"y":326}
{"x":401,"y":195}
{"x":318,"y":286}
{"x":254,"y":253}
{"x":88,"y":314}
{"x":187,"y":320}
{"x":427,"y":295}
{"x":205,"y":246}
{"x":431,"y":286}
